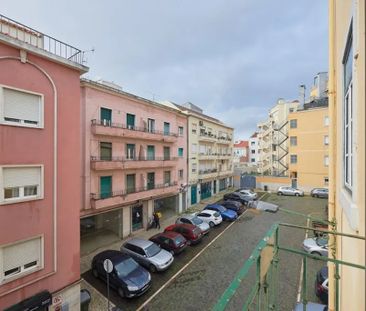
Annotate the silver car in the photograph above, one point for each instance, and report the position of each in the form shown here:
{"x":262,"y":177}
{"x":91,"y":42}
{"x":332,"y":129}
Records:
{"x":148,"y":254}
{"x":319,"y":193}
{"x":249,"y":193}
{"x":192,"y":219}
{"x":316,"y":246}
{"x":290,"y":191}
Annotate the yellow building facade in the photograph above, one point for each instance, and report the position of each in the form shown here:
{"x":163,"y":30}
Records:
{"x":347,"y":153}
{"x":309,"y":148}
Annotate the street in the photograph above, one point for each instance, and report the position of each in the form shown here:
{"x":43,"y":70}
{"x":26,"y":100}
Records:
{"x":202,"y":282}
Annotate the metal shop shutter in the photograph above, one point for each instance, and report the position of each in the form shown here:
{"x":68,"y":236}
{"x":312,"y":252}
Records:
{"x":19,"y":254}
{"x":21,"y":176}
{"x":21,"y":105}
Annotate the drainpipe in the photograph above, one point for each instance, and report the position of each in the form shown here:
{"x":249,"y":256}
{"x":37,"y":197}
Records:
{"x":332,"y":145}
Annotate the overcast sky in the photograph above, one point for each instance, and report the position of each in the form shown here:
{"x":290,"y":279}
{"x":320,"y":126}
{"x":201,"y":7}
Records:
{"x":233,"y":58}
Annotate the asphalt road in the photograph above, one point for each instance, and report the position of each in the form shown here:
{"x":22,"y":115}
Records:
{"x":199,"y":286}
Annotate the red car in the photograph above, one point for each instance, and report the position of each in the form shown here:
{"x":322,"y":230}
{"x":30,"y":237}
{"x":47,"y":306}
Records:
{"x":171,"y":241}
{"x":191,"y":232}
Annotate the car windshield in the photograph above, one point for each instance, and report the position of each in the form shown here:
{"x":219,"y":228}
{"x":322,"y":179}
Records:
{"x":125,"y":267}
{"x":178,"y":240}
{"x":152,"y":250}
{"x":216,"y":214}
{"x":196,"y":221}
{"x":321,"y":242}
{"x":221,"y":208}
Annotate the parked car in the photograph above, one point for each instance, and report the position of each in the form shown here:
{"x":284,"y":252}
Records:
{"x":290,"y":191}
{"x":127,"y":276}
{"x":321,"y":285}
{"x":316,"y":246}
{"x":249,"y":193}
{"x":225,"y":213}
{"x":236,"y":196}
{"x":310,"y":306}
{"x":172,"y":242}
{"x":148,"y":254}
{"x":319,"y":193}
{"x":234,"y":206}
{"x":191,"y":232}
{"x":212,"y":218}
{"x":192,"y":219}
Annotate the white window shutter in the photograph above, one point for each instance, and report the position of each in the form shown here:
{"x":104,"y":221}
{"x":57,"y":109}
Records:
{"x":21,"y":105}
{"x":21,"y":176}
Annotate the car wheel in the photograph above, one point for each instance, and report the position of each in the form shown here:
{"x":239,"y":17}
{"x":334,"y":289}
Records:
{"x":121,"y":292}
{"x":297,"y":195}
{"x":211,"y":224}
{"x":279,"y":193}
{"x":316,"y":253}
{"x":95,"y":273}
{"x":152,"y":268}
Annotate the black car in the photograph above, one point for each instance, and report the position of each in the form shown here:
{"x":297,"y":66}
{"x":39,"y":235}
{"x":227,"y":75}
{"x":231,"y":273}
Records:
{"x":234,"y":206}
{"x":321,"y":285}
{"x":235,"y":196}
{"x":127,"y":276}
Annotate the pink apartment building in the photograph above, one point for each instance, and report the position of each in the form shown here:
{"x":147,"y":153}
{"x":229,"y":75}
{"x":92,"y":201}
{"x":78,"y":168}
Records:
{"x":135,"y":163}
{"x":40,"y":170}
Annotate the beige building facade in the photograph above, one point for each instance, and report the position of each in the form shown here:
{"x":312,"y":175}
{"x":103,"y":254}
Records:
{"x":308,"y":148}
{"x":347,"y":153}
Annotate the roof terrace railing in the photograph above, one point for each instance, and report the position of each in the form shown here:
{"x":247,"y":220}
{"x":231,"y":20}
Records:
{"x":40,"y":40}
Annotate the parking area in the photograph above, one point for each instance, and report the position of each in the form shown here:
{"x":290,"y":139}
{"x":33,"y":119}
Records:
{"x":202,"y":272}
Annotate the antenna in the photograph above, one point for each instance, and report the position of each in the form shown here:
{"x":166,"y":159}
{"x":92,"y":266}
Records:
{"x":87,"y":51}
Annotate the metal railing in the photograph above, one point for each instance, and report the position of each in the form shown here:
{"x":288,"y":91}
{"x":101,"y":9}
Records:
{"x":40,"y":40}
{"x":127,"y":159}
{"x":106,"y":195}
{"x":207,"y":171}
{"x":107,"y":123}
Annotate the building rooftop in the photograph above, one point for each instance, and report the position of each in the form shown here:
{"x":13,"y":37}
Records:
{"x":241,"y":144}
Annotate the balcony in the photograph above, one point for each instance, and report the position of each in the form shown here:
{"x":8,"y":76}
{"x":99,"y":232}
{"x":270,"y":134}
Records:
{"x":225,"y":156}
{"x":224,"y":140}
{"x":103,"y":200}
{"x":207,"y":156}
{"x":107,"y":128}
{"x":207,"y":173}
{"x":116,"y":163}
{"x":226,"y":173}
{"x":207,"y":138}
{"x":35,"y":39}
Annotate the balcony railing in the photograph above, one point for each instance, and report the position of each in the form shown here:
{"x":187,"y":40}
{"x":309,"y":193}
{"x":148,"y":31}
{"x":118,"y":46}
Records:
{"x":40,"y":40}
{"x":126,"y":159}
{"x":107,"y":123}
{"x":106,"y":195}
{"x":207,"y":171}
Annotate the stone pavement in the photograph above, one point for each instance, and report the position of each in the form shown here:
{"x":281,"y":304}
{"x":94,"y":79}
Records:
{"x":98,"y":301}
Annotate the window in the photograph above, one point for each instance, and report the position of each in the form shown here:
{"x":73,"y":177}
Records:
{"x":180,"y":152}
{"x":130,"y":182}
{"x":252,"y":151}
{"x":326,"y":121}
{"x":21,"y":258}
{"x":348,"y":114}
{"x":293,"y":158}
{"x":194,"y":128}
{"x":151,"y":153}
{"x":180,"y":130}
{"x":252,"y":160}
{"x":291,"y":110}
{"x":293,"y":140}
{"x":21,"y":183}
{"x":106,"y":116}
{"x":326,"y":140}
{"x":166,"y":153}
{"x":130,"y":151}
{"x":130,"y":121}
{"x":194,"y":148}
{"x":194,"y":167}
{"x":167,"y":178}
{"x":293,"y":123}
{"x":151,"y":125}
{"x":105,"y":187}
{"x":326,"y":161}
{"x":21,"y":108}
{"x":150,"y":181}
{"x":252,"y":143}
{"x":166,"y":128}
{"x":326,"y":181}
{"x":105,"y":151}
{"x":180,"y":174}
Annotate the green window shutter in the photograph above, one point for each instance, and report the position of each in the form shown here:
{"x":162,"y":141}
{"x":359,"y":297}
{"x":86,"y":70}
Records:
{"x":150,"y":152}
{"x":166,"y":153}
{"x":180,"y":152}
{"x":105,"y":151}
{"x":130,"y":183}
{"x":150,"y":181}
{"x":106,"y":116}
{"x":130,"y":151}
{"x":130,"y":121}
{"x":105,"y":187}
{"x":166,"y":128}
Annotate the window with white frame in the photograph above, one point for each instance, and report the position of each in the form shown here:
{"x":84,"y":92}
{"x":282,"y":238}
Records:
{"x":194,"y":128}
{"x":326,"y":181}
{"x":326,"y":160}
{"x":21,"y":107}
{"x":348,"y":114}
{"x":194,"y":148}
{"x":21,"y":183}
{"x":326,"y":121}
{"x":20,"y":258}
{"x":194,"y":167}
{"x":180,"y":130}
{"x":326,"y":140}
{"x":180,"y":174}
{"x":293,"y":158}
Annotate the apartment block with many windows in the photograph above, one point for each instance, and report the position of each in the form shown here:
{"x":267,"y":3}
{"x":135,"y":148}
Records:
{"x":39,"y":170}
{"x":134,"y":163}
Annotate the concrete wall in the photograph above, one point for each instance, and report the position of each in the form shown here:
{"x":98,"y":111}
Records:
{"x":272,"y":182}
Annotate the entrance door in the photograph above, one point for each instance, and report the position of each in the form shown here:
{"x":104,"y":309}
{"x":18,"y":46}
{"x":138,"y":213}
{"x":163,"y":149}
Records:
{"x":105,"y":187}
{"x":294,"y":183}
{"x":214,"y":187}
{"x":205,"y":190}
{"x":193,"y":194}
{"x":136,"y":217}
